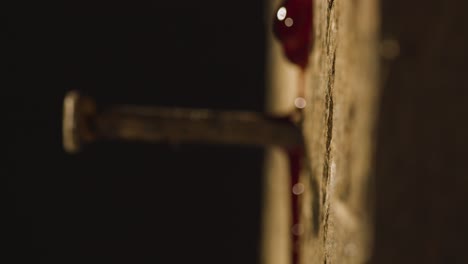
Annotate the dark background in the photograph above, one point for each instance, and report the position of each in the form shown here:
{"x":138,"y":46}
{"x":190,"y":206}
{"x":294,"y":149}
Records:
{"x":126,"y":202}
{"x":421,"y":208}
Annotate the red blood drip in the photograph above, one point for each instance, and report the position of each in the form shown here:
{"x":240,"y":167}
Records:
{"x":293,"y":28}
{"x":296,"y":158}
{"x":295,"y":165}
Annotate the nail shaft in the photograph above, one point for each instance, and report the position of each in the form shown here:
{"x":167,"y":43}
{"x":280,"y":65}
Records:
{"x":82,"y":124}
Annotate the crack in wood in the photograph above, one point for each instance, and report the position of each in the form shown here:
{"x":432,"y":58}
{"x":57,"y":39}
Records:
{"x":329,"y":101}
{"x":330,"y":49}
{"x":327,"y":33}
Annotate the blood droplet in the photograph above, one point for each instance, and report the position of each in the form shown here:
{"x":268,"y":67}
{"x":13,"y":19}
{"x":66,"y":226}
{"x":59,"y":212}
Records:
{"x":293,"y":28}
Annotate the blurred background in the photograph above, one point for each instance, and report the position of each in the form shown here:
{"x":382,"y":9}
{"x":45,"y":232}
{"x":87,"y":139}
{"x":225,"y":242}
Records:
{"x":128,"y":202}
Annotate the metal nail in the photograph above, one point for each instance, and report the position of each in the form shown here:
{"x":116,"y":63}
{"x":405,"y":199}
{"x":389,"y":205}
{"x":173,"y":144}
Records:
{"x":82,"y":124}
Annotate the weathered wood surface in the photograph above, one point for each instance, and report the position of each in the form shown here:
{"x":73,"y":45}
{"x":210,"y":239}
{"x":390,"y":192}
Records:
{"x":339,"y":123}
{"x":386,"y":131}
{"x":342,"y":89}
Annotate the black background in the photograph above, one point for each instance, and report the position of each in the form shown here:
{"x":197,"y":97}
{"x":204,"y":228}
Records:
{"x":127,"y":202}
